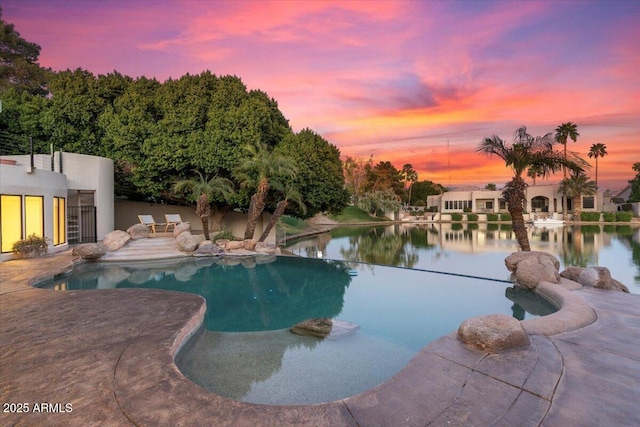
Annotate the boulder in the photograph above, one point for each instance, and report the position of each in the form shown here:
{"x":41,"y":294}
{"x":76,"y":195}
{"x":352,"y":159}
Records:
{"x":234,"y":244}
{"x":493,"y":333}
{"x":600,"y":277}
{"x":138,"y":231}
{"x":115,"y":240}
{"x":531,"y":268}
{"x":186,"y":242}
{"x":222,"y":243}
{"x":89,"y":251}
{"x":207,"y":248}
{"x":181,"y":228}
{"x":249,"y":244}
{"x":572,"y":273}
{"x":319,"y":327}
{"x":512,"y":260}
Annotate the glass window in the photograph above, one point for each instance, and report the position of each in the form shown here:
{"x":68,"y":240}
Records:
{"x":10,"y":221}
{"x":503,"y":204}
{"x":59,"y":221}
{"x":488,"y":204}
{"x":588,"y":202}
{"x":34,"y":215}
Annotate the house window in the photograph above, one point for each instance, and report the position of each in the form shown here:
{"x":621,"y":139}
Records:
{"x":588,"y":202}
{"x":10,"y":220}
{"x":59,"y":220}
{"x":34,"y":215}
{"x":503,"y":204}
{"x":488,"y":204}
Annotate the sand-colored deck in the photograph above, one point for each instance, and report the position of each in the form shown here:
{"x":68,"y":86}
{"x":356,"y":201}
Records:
{"x":109,"y":354}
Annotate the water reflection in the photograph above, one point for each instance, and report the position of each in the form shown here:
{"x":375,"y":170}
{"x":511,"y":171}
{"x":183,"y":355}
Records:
{"x":479,"y":248}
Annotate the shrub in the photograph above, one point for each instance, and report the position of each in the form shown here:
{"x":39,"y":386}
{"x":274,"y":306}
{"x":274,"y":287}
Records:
{"x":472,"y":217}
{"x":492,"y":217}
{"x":590,"y":216}
{"x":31,"y":246}
{"x":609,"y":216}
{"x":225,"y":234}
{"x":505,"y":217}
{"x":624,"y":216}
{"x":456,"y":217}
{"x":419,"y":203}
{"x":456,"y":226}
{"x":432,"y":209}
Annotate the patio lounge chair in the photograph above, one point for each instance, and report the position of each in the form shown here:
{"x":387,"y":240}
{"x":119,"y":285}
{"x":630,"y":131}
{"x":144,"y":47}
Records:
{"x":172,"y":220}
{"x":149,"y":222}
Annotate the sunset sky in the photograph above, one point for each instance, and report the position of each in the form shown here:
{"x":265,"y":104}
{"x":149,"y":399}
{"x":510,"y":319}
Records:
{"x":420,"y":82}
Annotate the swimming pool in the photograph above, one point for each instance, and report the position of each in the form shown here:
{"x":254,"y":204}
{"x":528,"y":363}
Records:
{"x":245,"y":350}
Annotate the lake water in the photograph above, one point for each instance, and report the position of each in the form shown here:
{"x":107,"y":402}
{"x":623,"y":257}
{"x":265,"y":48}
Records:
{"x":479,"y":249}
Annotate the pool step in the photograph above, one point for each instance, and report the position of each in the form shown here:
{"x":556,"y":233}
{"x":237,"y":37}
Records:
{"x":145,"y":249}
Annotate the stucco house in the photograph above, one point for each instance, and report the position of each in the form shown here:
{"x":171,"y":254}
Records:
{"x":66,"y":198}
{"x":539,"y":198}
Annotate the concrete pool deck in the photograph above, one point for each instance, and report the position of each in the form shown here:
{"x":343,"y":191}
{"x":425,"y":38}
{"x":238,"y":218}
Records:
{"x":109,"y":355}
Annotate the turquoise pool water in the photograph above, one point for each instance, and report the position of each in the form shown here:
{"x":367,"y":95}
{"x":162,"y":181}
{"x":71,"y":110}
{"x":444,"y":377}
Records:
{"x":246,"y":351}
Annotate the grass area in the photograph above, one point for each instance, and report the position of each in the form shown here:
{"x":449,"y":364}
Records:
{"x":353,"y":214}
{"x":293,"y":225}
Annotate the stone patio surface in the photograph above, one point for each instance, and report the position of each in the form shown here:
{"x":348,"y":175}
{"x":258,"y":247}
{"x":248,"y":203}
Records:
{"x":105,"y":357}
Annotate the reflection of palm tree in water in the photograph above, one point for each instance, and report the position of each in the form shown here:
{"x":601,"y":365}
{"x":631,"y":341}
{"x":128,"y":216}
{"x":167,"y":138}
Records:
{"x":259,"y":296}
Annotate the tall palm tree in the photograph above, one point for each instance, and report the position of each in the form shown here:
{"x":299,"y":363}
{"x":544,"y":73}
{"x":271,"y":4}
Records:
{"x":410,"y":176}
{"x":290,"y":194}
{"x":526,"y":151}
{"x":203,"y":189}
{"x":256,"y":171}
{"x":564,"y":132}
{"x":534,"y":172}
{"x":597,"y":150}
{"x":576,"y":186}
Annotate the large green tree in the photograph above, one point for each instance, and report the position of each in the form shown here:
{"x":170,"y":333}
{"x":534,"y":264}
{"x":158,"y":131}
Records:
{"x":19,"y":67}
{"x":410,"y":177}
{"x":424,"y":189}
{"x":596,"y":151}
{"x":525,"y":151}
{"x":319,"y":172}
{"x":355,"y":176}
{"x":385,"y":176}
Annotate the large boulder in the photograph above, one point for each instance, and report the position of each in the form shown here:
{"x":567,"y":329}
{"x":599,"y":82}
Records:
{"x":493,"y":333}
{"x":89,"y":251}
{"x":600,"y":277}
{"x":138,"y":231}
{"x":181,"y":228}
{"x":572,"y":273}
{"x":234,"y":245}
{"x":115,"y":240}
{"x":531,"y":268}
{"x":249,"y":244}
{"x":208,"y":248}
{"x":319,"y":327}
{"x":187,"y":242}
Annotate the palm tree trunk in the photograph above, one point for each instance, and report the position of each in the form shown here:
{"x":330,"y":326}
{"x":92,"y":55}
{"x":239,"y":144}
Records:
{"x":596,"y":172}
{"x":514,"y":194}
{"x":280,"y":208}
{"x":255,"y":210}
{"x":577,"y":207}
{"x":204,"y":210}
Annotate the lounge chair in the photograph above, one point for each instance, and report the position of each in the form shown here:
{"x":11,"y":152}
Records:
{"x":172,"y":220}
{"x":149,"y":222}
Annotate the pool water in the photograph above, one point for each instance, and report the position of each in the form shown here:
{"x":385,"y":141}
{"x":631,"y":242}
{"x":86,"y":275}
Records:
{"x":246,"y":352}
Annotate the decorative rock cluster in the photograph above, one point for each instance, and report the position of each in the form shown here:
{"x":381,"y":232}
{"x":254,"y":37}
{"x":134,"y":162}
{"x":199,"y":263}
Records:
{"x":594,"y":277}
{"x":497,"y":332}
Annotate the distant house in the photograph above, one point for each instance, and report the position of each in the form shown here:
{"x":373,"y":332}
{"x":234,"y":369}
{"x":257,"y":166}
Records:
{"x":66,"y":198}
{"x":539,"y":198}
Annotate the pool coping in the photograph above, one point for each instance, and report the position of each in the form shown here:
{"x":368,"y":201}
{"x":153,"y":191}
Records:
{"x":445,"y":382}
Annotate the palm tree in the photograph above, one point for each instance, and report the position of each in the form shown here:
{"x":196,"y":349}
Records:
{"x":256,"y":171}
{"x":202,"y":190}
{"x":576,"y":186}
{"x":410,"y":176}
{"x":563,"y":133}
{"x":534,"y":172}
{"x":525,"y":152}
{"x":597,"y":150}
{"x":291,"y":194}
